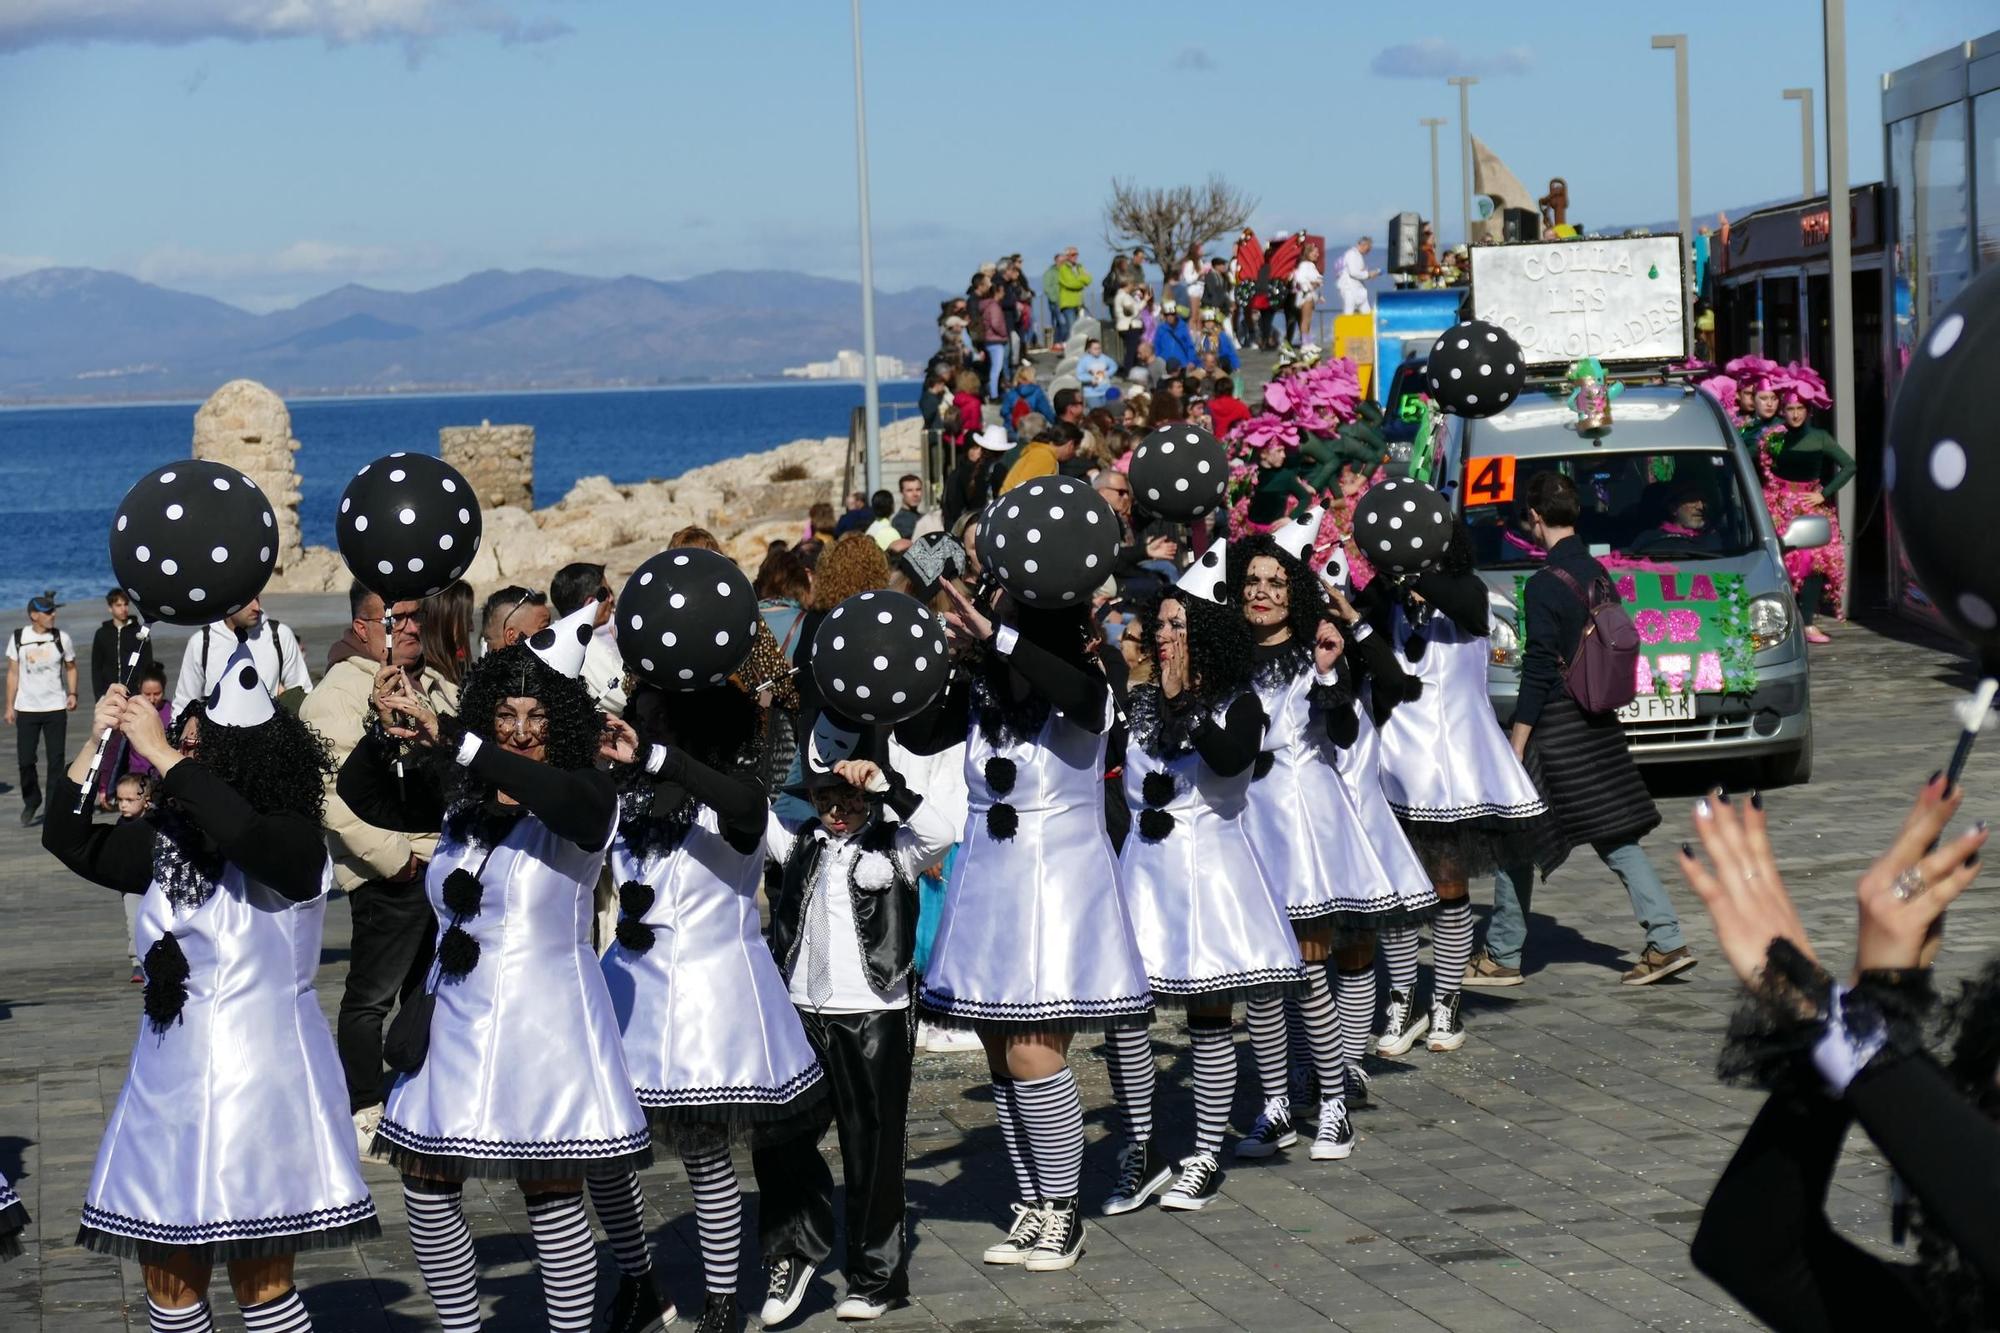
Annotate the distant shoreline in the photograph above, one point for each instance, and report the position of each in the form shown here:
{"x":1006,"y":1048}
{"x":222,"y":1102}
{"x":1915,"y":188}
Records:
{"x":380,"y":395}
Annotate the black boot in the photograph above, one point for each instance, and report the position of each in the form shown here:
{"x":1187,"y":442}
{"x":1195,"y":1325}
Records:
{"x":638,"y":1307}
{"x":720,"y":1315}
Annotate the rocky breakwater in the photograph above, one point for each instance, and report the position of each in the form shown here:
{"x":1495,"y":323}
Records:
{"x":747,"y":502}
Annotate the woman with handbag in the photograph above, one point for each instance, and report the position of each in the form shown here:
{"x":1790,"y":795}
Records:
{"x":511,"y":1063}
{"x":231,"y":1141}
{"x":716,"y":1051}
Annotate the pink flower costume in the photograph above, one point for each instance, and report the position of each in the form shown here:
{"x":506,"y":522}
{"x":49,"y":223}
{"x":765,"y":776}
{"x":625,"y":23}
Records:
{"x":1787,"y":499}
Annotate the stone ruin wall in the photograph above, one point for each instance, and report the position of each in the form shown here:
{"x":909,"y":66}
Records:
{"x":499,"y":461}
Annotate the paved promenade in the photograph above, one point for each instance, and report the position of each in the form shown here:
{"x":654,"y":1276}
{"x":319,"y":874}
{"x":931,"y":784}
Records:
{"x":1547,"y":1176}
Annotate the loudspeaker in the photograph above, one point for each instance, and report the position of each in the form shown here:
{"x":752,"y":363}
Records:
{"x":1521,"y":224}
{"x":1404,"y":239}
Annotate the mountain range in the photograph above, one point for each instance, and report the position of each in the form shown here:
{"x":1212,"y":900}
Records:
{"x":80,"y":334}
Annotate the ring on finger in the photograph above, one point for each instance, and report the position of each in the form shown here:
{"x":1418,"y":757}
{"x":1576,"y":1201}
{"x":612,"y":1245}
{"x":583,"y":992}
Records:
{"x":1908,"y":884}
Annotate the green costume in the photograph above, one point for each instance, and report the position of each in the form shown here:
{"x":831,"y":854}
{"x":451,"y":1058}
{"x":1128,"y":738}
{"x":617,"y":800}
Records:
{"x":1811,"y":455}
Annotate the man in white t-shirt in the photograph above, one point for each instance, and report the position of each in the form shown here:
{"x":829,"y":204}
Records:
{"x":1354,"y":274}
{"x":41,"y":693}
{"x":274,"y":650}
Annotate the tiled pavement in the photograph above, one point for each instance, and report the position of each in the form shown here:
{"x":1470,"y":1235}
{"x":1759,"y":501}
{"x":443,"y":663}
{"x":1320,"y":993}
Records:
{"x":1549,"y":1175}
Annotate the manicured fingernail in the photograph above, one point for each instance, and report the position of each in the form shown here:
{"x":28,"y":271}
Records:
{"x":1687,"y":850}
{"x":1757,"y":800}
{"x":1703,"y":810}
{"x":1722,"y":796}
{"x":1933,"y":777}
{"x":1972,"y":860}
{"x":1979,"y":826}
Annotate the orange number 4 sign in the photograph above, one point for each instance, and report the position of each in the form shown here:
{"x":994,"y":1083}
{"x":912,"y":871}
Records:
{"x":1490,"y":480}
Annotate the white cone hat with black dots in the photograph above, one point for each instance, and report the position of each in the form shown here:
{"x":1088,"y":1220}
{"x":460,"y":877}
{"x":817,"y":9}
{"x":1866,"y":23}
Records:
{"x":1296,"y":538}
{"x":561,"y":645}
{"x":239,"y":698}
{"x":1204,"y":578}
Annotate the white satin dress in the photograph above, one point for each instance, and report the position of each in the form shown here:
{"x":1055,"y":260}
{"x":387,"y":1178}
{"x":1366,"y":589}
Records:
{"x":526,"y":1077}
{"x":232,"y":1130}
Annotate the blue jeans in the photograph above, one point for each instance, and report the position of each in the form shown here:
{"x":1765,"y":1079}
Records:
{"x":1059,"y":321}
{"x":996,"y":369}
{"x":1514,"y":887}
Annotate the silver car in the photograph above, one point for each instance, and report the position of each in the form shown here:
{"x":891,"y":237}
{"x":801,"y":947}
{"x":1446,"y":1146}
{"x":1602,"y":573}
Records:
{"x":1673,"y":507}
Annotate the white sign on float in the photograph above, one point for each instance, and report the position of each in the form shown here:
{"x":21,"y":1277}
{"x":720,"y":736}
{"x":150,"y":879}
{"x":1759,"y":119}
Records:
{"x":1617,"y":300}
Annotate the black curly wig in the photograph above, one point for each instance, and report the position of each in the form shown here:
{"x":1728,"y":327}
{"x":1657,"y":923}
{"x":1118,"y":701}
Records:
{"x":1308,"y":601}
{"x":720,"y":726}
{"x":516,"y":673}
{"x":1219,"y":657}
{"x":280,"y":766}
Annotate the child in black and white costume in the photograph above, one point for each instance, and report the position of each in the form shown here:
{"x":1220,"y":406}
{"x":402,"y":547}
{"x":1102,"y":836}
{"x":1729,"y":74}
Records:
{"x":716,"y":1052}
{"x":230,"y":1141}
{"x":13,"y":1219}
{"x":843,"y":929}
{"x":1210,"y":926}
{"x":525,"y":1076}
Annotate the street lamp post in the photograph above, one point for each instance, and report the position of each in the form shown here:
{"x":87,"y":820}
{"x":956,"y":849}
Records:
{"x":871,"y":390}
{"x":1804,"y":97}
{"x":1840,"y":259}
{"x":1463,"y":82}
{"x":1432,"y":122}
{"x":1678,"y":44}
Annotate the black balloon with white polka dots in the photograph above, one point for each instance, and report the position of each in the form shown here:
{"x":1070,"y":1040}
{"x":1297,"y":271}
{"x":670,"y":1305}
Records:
{"x":193,"y":542}
{"x":1049,"y":541}
{"x":1475,"y":369}
{"x":686,"y":619}
{"x":1180,"y":472}
{"x":880,"y":657}
{"x":1402,"y":526}
{"x":407,"y":526}
{"x":1942,"y":466}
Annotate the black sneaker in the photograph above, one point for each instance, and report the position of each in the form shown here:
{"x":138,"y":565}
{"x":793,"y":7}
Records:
{"x":1335,"y":1139}
{"x":1359,"y":1098}
{"x":785,"y":1289}
{"x":1272,"y":1132}
{"x":1020,"y":1240}
{"x":1143,"y":1171}
{"x":1061,"y":1242}
{"x":1199,"y":1182}
{"x":720,"y":1315}
{"x":1403,"y":1025}
{"x":1447,"y":1026}
{"x":638,"y":1306}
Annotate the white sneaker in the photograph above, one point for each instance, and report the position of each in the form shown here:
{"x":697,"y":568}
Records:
{"x":366,"y":1121}
{"x":1447,"y":1027}
{"x":948,"y":1041}
{"x":856,"y":1309}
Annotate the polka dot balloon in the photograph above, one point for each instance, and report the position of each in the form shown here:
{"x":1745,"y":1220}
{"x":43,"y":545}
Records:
{"x":1942,"y":466}
{"x":1049,"y":541}
{"x":1402,"y":526}
{"x":880,"y":657}
{"x":193,"y":542}
{"x":686,"y":619}
{"x":1475,"y":369}
{"x":407,"y":526}
{"x":1180,"y":472}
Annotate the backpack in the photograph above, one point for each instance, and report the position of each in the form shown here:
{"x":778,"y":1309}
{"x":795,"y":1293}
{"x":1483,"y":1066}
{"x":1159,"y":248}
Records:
{"x":1604,"y":675}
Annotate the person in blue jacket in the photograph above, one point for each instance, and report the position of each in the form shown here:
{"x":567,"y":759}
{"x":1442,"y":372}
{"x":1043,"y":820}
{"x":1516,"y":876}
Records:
{"x":1214,"y":338}
{"x":1173,"y":340}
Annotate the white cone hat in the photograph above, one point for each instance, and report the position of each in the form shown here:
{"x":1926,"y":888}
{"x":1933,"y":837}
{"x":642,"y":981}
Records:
{"x":1204,"y":577}
{"x":239,"y":698}
{"x":561,"y":645}
{"x":1296,"y":538}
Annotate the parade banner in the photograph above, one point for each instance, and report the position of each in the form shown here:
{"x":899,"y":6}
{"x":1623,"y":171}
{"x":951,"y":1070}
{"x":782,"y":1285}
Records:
{"x":1694,"y":630}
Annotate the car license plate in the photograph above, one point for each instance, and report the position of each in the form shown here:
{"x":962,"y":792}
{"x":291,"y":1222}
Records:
{"x":1654,"y":708}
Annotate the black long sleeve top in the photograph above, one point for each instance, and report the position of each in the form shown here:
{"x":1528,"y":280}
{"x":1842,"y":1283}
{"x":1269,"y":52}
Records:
{"x":1764,"y":1235}
{"x":738,"y":802}
{"x":577,"y":804}
{"x":1554,"y":618}
{"x":1232,"y":745}
{"x":1079,"y":694}
{"x":284,"y":852}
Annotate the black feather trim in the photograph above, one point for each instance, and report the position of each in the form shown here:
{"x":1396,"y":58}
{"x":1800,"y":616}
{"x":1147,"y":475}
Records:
{"x":635,"y":935}
{"x":186,"y":864}
{"x":1155,"y":825}
{"x":1003,"y":821}
{"x":166,"y":983}
{"x":1001,"y":774}
{"x":635,"y":897}
{"x":463,"y":893}
{"x":457,"y":954}
{"x":1772,"y":1033}
{"x":1158,"y":789}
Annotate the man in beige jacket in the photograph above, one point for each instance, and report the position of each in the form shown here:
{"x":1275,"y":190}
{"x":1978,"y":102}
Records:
{"x":381,"y":870}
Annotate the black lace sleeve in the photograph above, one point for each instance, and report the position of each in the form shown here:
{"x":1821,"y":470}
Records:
{"x":284,"y":852}
{"x":116,"y":856}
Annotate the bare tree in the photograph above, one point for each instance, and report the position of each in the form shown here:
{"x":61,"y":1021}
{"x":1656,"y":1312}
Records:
{"x":1169,"y":222}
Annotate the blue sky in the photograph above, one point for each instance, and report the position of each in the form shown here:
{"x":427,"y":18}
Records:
{"x":262,"y":151}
